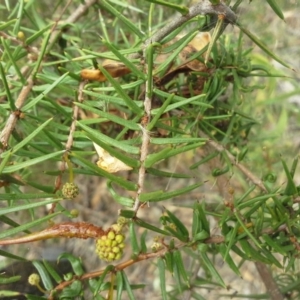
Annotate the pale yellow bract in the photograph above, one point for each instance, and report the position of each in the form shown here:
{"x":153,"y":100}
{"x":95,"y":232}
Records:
{"x":108,"y":162}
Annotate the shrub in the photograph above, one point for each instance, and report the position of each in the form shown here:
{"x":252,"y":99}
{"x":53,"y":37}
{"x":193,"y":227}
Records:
{"x":156,"y":100}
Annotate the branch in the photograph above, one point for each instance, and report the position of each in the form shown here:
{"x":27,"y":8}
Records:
{"x":203,"y":7}
{"x":269,"y":281}
{"x":81,"y":230}
{"x":140,"y":257}
{"x":75,"y":116}
{"x":145,"y":133}
{"x":220,"y":148}
{"x":78,"y":13}
{"x":262,"y":269}
{"x":216,"y":239}
{"x":14,"y":116}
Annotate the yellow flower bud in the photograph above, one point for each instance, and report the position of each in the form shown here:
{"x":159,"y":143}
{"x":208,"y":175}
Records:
{"x":111,"y":235}
{"x":34,"y":279}
{"x":21,"y":35}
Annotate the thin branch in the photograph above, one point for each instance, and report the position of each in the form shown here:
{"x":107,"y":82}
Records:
{"x":220,"y":148}
{"x":78,"y":13}
{"x":142,"y":169}
{"x":216,"y":239}
{"x":75,"y":116}
{"x":70,"y":140}
{"x":270,"y":283}
{"x":262,"y":269}
{"x":203,"y":7}
{"x":145,"y":134}
{"x":14,"y":116}
{"x":28,"y":48}
{"x":140,"y":257}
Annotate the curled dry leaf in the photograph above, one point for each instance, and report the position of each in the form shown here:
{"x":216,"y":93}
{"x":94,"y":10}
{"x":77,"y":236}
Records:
{"x":118,"y":69}
{"x":196,"y":44}
{"x":109,"y":163}
{"x":184,"y":64}
{"x":114,"y":68}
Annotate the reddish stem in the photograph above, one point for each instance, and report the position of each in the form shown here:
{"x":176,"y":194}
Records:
{"x":80,"y":230}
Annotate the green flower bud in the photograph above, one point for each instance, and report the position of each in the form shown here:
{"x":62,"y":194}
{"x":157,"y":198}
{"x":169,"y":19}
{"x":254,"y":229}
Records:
{"x":110,"y":246}
{"x":74,"y":213}
{"x":70,"y":190}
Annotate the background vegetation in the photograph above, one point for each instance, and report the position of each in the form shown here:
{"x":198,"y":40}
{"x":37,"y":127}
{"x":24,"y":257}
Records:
{"x":206,"y":152}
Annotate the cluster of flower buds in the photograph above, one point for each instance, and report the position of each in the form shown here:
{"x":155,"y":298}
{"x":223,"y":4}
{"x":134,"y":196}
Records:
{"x":70,"y":190}
{"x":111,"y":245}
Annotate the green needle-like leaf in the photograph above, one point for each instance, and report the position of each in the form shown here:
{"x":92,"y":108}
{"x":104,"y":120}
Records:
{"x":180,"y":8}
{"x":31,"y":162}
{"x":260,"y":44}
{"x":180,"y":266}
{"x":179,"y":225}
{"x":26,"y":226}
{"x":127,"y":100}
{"x":160,"y":195}
{"x":120,"y":16}
{"x":74,"y":261}
{"x":28,"y":206}
{"x":273,"y":4}
{"x":34,"y":101}
{"x":7,"y":90}
{"x":108,"y":140}
{"x":52,"y":272}
{"x":210,"y":266}
{"x":133,"y":240}
{"x":13,"y":61}
{"x":162,"y":277}
{"x":291,"y":188}
{"x":127,"y":286}
{"x":120,"y":285}
{"x":45,"y":277}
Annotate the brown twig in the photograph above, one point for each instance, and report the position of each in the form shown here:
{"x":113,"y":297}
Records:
{"x":216,"y":239}
{"x":269,"y":281}
{"x":145,"y":135}
{"x":14,"y":116}
{"x":78,"y":13}
{"x":140,"y":257}
{"x":220,"y":148}
{"x":75,"y":115}
{"x":203,"y":7}
{"x":81,"y":230}
{"x":70,"y":140}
